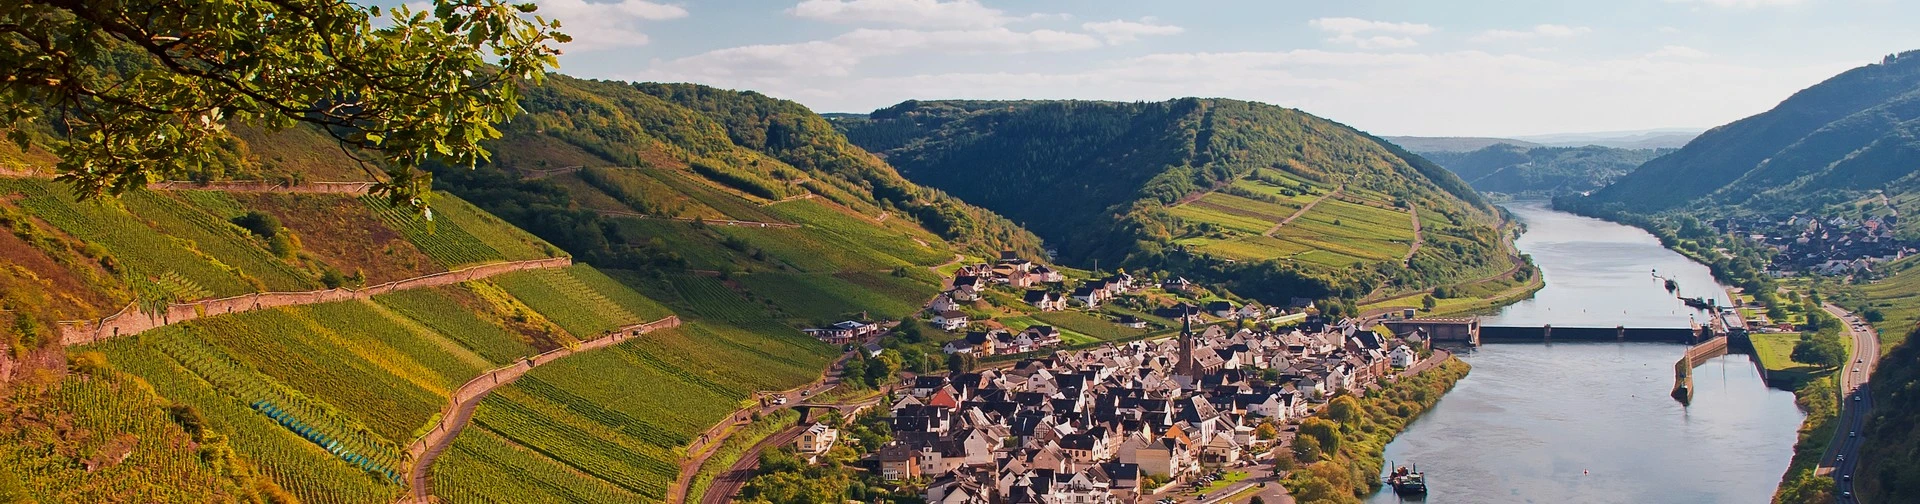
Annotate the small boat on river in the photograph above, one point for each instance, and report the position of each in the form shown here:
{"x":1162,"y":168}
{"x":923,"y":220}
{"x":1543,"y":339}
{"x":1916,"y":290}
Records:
{"x":1407,"y":481}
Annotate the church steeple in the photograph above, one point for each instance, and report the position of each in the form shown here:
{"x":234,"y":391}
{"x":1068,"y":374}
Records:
{"x":1187,"y":366}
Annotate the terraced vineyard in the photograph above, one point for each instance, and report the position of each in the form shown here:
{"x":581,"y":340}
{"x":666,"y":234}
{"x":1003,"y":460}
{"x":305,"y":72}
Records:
{"x":346,"y":355}
{"x":110,"y":414}
{"x":851,"y":230}
{"x":701,"y":296}
{"x":701,"y":248}
{"x":484,"y":467}
{"x":812,"y":251}
{"x":442,"y":239}
{"x":621,"y":434}
{"x":1354,"y":230}
{"x":580,"y":299}
{"x":726,"y":204}
{"x":137,"y":247}
{"x":453,"y":312}
{"x":303,"y":468}
{"x":824,"y":298}
{"x":219,"y":238}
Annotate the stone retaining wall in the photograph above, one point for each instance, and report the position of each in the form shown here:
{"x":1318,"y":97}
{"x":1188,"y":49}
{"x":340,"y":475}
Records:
{"x":134,"y":319}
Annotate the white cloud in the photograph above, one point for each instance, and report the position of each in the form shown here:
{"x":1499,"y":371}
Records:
{"x":1444,"y":93}
{"x":1121,"y":31}
{"x":1357,"y":32}
{"x":840,"y":56}
{"x":1538,"y":31}
{"x":992,"y":40}
{"x":596,"y":26}
{"x":1677,"y":52}
{"x":910,"y":13}
{"x":1742,"y":3}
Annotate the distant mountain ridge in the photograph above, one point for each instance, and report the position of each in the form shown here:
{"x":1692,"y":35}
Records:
{"x":1662,"y":138}
{"x":1851,"y":134}
{"x":1542,"y":171}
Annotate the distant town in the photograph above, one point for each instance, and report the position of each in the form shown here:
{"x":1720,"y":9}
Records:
{"x":1834,"y":246}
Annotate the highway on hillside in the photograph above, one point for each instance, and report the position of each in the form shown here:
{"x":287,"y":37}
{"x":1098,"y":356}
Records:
{"x":1843,"y":454}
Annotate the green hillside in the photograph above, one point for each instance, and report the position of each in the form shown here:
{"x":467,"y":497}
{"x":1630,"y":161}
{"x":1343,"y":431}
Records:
{"x":1536,"y":171}
{"x":318,"y":402}
{"x":689,"y":151}
{"x":1855,"y":133}
{"x":1199,"y":187}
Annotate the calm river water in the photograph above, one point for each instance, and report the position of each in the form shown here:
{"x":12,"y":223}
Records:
{"x":1592,"y":422}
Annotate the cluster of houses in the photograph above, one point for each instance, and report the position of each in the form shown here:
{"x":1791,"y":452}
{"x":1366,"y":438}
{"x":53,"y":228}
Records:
{"x":845,"y":332}
{"x":1092,"y":426}
{"x":1001,"y":341}
{"x":1826,"y":246}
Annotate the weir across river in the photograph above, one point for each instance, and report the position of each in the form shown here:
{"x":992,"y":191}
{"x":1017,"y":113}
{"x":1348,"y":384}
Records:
{"x":1469,"y":331}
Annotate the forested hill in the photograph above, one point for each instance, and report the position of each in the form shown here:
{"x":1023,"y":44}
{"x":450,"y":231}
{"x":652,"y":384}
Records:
{"x":1198,"y":186}
{"x":746,"y":144}
{"x":1536,"y":171}
{"x":1855,"y":133}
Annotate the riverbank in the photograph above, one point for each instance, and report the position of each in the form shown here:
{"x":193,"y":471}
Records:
{"x":1344,"y":444}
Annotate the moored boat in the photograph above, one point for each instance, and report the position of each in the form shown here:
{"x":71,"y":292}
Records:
{"x":1407,"y":481}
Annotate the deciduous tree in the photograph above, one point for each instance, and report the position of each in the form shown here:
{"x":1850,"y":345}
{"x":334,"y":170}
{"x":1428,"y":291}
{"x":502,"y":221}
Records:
{"x":127,"y":92}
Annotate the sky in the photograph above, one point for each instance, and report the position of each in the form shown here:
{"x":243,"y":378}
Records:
{"x":1412,"y":67}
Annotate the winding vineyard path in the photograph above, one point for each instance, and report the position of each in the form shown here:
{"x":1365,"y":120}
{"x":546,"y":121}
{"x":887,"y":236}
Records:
{"x":135,"y":319}
{"x":459,"y":410}
{"x":724,"y":222}
{"x":709,"y":442}
{"x":1419,"y":235}
{"x":261,"y":186}
{"x":1303,"y":211}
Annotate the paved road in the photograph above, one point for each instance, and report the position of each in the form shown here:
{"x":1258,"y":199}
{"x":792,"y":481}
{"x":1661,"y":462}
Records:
{"x":1843,"y":454}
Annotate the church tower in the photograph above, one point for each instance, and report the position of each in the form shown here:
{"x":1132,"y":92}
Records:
{"x":1187,"y":366}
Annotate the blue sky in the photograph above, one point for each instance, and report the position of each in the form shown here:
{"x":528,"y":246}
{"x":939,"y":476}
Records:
{"x":1460,"y":68}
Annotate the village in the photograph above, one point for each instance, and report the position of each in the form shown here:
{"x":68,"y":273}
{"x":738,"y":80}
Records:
{"x":1833,"y":246}
{"x":1198,"y":412}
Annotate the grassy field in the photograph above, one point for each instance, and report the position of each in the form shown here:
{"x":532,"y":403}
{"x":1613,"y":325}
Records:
{"x":1775,"y":351}
{"x":1095,"y":325}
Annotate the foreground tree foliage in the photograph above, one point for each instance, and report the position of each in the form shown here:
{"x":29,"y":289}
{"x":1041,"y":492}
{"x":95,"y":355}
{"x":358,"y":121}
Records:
{"x":127,"y":92}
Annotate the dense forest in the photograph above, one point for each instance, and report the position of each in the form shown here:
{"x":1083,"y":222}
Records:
{"x":1521,"y":171}
{"x":1104,"y":182}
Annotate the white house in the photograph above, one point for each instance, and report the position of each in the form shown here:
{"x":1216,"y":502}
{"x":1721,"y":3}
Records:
{"x":950,"y":320}
{"x":1402,"y":356}
{"x":818,"y":438}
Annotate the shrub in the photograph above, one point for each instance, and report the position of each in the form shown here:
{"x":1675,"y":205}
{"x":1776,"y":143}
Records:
{"x":260,"y":223}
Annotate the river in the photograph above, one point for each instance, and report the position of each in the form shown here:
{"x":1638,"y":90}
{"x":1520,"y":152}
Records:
{"x":1592,"y":422}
